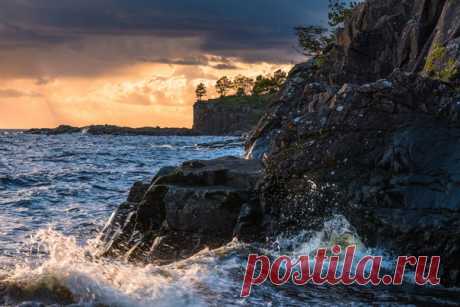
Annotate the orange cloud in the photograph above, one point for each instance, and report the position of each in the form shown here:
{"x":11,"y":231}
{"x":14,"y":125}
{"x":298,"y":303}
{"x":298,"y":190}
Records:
{"x":146,"y":94}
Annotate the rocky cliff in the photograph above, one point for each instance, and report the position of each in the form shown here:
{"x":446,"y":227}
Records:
{"x":228,"y":115}
{"x":370,"y":133}
{"x":414,"y":36}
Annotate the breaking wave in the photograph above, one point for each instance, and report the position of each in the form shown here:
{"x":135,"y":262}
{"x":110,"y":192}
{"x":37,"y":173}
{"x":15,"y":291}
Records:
{"x":74,"y":182}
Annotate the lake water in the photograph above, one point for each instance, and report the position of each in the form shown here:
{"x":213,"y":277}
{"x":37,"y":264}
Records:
{"x":57,"y":192}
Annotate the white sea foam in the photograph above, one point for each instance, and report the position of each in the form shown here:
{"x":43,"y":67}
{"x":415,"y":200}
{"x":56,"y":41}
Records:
{"x":90,"y":280}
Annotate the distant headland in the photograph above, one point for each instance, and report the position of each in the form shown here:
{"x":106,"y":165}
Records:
{"x":225,"y":116}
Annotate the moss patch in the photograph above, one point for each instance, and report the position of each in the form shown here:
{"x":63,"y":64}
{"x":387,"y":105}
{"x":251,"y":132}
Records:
{"x":447,"y":72}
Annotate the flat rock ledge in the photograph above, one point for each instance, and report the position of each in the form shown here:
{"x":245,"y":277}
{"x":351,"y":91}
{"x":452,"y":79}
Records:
{"x":186,"y":209}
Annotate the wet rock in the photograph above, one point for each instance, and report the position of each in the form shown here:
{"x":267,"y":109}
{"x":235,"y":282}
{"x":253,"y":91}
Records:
{"x":137,"y":192}
{"x":372,"y":153}
{"x":418,"y":205}
{"x":187,"y":208}
{"x":249,"y":224}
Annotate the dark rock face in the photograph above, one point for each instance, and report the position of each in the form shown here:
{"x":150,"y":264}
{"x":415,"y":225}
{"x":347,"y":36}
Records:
{"x":370,"y":136}
{"x":219,"y":118}
{"x":386,"y":34}
{"x":201,"y":203}
{"x":382,"y":154}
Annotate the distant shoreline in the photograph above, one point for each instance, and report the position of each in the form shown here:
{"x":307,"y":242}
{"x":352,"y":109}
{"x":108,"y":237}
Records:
{"x":118,"y":130}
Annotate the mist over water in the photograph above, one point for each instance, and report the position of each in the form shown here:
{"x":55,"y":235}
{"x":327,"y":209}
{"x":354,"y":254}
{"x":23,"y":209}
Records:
{"x":57,"y":192}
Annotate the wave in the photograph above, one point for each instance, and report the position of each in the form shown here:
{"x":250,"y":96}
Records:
{"x":164,"y":146}
{"x":32,"y":180}
{"x":61,"y":271}
{"x":72,"y":274}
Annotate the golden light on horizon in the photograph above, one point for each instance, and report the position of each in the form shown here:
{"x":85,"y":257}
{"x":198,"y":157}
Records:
{"x":145,"y":94}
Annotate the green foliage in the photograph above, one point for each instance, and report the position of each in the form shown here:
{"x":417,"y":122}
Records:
{"x":279,"y":77}
{"x":320,"y":60}
{"x":243,"y":85}
{"x":432,"y":66}
{"x":262,"y":86}
{"x":339,"y":11}
{"x":312,"y":39}
{"x":200,"y":91}
{"x":435,"y":56}
{"x":265,"y":85}
{"x":449,"y":72}
{"x":223,"y":86}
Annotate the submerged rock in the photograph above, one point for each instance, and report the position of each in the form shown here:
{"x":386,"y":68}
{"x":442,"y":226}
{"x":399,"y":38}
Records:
{"x":199,"y":204}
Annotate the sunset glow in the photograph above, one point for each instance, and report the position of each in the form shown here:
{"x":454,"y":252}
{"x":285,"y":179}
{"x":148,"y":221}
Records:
{"x":141,"y":95}
{"x":134,"y":63}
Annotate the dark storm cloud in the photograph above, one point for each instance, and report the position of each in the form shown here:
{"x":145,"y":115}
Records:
{"x":200,"y":60}
{"x":225,"y":66}
{"x":253,"y":30}
{"x":216,"y":62}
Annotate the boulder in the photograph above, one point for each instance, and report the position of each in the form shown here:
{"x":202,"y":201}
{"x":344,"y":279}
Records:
{"x":185,"y":209}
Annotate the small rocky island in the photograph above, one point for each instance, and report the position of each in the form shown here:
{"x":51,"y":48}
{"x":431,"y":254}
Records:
{"x":370,"y":131}
{"x":113,"y":130}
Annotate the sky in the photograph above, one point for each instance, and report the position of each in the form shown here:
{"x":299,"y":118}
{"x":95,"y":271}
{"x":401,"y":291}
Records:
{"x":136,"y":62}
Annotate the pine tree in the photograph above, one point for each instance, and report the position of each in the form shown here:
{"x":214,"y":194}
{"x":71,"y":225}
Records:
{"x":223,"y":86}
{"x":200,"y":91}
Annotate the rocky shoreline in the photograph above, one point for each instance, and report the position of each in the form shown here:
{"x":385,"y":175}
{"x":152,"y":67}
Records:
{"x":113,"y":130}
{"x":367,"y":135}
{"x":185,"y":209}
{"x":216,"y":118}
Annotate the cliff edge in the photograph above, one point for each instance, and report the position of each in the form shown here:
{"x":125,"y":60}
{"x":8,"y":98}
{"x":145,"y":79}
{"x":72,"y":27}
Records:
{"x":233,"y":115}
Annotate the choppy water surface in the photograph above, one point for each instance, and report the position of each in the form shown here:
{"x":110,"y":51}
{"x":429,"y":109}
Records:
{"x":57,"y":192}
